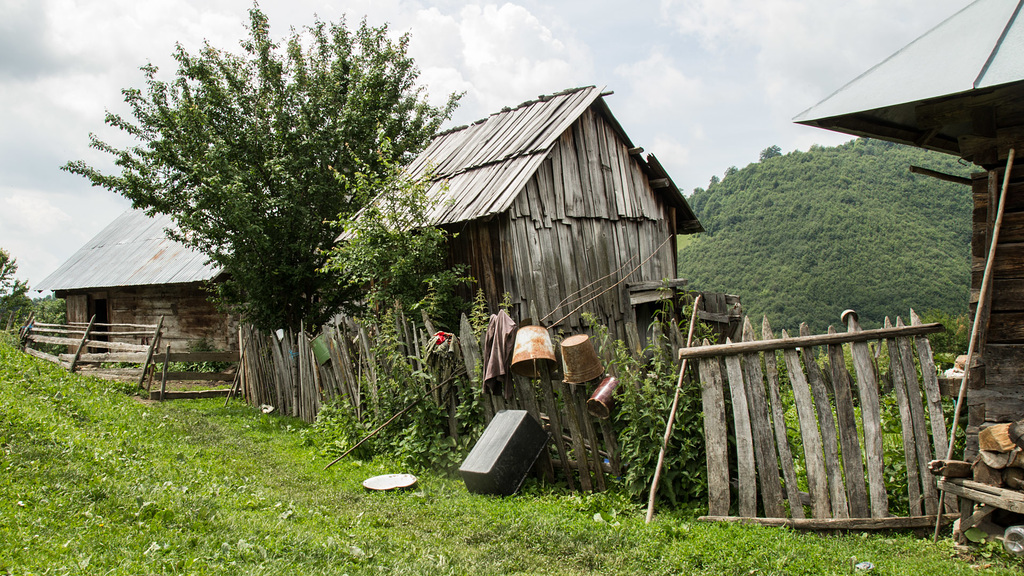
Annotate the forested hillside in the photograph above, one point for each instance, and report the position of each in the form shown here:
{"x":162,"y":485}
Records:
{"x":803,"y":236}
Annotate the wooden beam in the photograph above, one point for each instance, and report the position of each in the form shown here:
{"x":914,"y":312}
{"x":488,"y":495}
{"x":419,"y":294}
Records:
{"x":657,"y":183}
{"x":941,"y":175}
{"x":889,"y":523}
{"x":800,"y":341}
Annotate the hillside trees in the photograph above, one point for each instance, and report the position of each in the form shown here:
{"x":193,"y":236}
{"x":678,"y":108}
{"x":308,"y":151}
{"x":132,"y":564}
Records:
{"x":808,"y":234}
{"x":251,"y":155}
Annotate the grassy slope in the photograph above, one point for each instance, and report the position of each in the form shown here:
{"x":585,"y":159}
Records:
{"x":95,"y":482}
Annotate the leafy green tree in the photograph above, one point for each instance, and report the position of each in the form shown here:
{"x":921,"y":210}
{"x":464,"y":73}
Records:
{"x":13,"y":292}
{"x":391,"y":252}
{"x":770,"y":152}
{"x":253,"y":154}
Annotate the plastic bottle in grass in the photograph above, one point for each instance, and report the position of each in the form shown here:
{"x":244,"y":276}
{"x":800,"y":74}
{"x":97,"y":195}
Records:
{"x":1013,"y":540}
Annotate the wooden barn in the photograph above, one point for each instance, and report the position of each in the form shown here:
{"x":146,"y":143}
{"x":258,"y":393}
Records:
{"x":553,"y":205}
{"x":959,"y":89}
{"x":131,"y":273}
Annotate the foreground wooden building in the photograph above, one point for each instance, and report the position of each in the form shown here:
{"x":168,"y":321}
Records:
{"x":131,"y":273}
{"x":553,"y":205}
{"x":959,"y":89}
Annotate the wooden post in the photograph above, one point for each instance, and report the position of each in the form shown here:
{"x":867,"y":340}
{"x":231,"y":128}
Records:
{"x":149,"y":353}
{"x":867,"y":388}
{"x":163,"y":377}
{"x":81,"y":345}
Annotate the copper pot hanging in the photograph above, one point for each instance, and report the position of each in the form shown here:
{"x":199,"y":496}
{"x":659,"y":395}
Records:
{"x":533,"y":343}
{"x":579,"y":360}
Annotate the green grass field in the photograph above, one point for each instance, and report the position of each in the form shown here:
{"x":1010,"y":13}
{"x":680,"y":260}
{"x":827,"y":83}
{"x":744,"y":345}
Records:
{"x":94,"y":481}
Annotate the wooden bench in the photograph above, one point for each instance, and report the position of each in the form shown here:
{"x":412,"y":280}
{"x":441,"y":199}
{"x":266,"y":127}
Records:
{"x":978,"y":501}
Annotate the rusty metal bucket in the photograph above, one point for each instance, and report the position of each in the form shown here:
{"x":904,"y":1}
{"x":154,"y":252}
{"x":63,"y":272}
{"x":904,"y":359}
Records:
{"x":579,"y":360}
{"x":533,"y":343}
{"x":602,"y":400}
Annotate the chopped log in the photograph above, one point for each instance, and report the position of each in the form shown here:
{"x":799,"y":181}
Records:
{"x":1013,"y":478}
{"x":1017,"y":433}
{"x":950,"y":468}
{"x":996,"y":438}
{"x":985,"y":474}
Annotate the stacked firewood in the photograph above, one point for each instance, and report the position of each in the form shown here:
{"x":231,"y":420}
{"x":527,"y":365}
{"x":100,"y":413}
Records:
{"x":1000,"y":461}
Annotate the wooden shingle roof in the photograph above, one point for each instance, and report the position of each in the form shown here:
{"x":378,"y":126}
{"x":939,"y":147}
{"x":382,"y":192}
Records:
{"x":479,"y":170}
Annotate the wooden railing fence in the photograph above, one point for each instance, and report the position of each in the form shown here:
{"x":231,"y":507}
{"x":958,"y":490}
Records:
{"x":844,"y":478}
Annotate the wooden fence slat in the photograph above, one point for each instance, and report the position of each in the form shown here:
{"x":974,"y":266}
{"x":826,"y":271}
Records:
{"x":715,"y":436}
{"x":827,"y":424}
{"x":796,"y":508}
{"x":744,"y":437}
{"x":870,"y":412}
{"x":579,"y":451}
{"x":923,"y":444}
{"x":764,"y":440}
{"x":81,"y":347}
{"x":586,"y":422}
{"x":554,"y":416}
{"x":817,"y":482}
{"x":930,"y":380}
{"x":846,"y":418}
{"x":909,"y":445}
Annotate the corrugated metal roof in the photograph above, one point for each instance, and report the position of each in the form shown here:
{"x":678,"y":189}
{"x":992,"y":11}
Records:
{"x":133,"y":250}
{"x":981,"y":46}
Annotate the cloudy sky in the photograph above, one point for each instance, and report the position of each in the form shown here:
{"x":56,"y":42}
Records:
{"x":703,"y":84}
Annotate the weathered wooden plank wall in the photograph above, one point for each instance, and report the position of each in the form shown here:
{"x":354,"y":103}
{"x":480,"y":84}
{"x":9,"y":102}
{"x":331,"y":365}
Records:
{"x":188,"y":314}
{"x":588,"y":217}
{"x":997,"y":393}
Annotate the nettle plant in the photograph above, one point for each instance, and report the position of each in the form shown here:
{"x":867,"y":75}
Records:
{"x":646,"y":388}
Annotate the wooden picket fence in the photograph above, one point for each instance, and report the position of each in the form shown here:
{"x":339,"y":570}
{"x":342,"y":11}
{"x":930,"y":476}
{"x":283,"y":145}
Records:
{"x":845,"y":479}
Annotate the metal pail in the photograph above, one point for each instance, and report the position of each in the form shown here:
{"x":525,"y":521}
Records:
{"x":533,"y":343}
{"x":579,"y":360}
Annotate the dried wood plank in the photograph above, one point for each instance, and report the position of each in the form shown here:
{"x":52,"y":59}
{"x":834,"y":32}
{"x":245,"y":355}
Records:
{"x":201,"y":376}
{"x":126,"y":357}
{"x":1011,"y":500}
{"x":890,"y":523}
{"x":922,"y":443}
{"x":771,"y":360}
{"x":44,"y":356}
{"x":151,"y":351}
{"x":909,"y":445}
{"x":554,"y":414}
{"x":764,"y":441}
{"x":745,"y":462}
{"x":163,"y":377}
{"x":715,"y":434}
{"x":827,"y":424}
{"x":190,"y":394}
{"x":853,"y":463}
{"x":867,"y":388}
{"x":587,"y":423}
{"x":930,"y":380}
{"x":815,"y":340}
{"x":817,"y":480}
{"x":577,"y":436}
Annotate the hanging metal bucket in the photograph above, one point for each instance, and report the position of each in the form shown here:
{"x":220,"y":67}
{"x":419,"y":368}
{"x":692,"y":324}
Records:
{"x":579,"y":360}
{"x":602,"y":400}
{"x":533,"y":343}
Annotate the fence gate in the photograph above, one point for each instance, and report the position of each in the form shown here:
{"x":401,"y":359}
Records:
{"x":841,"y":483}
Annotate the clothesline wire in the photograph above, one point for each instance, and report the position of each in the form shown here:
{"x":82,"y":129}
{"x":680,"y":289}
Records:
{"x":623,"y":279}
{"x":578,"y":294}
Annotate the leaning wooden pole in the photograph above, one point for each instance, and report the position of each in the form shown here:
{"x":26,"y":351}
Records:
{"x":671,"y":415}
{"x":980,"y":314}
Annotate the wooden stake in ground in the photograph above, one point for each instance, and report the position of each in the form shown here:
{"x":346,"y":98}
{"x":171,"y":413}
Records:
{"x":986,"y":281}
{"x":671,"y":415}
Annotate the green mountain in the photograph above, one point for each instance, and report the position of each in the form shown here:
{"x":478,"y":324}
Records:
{"x":803,"y":236}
